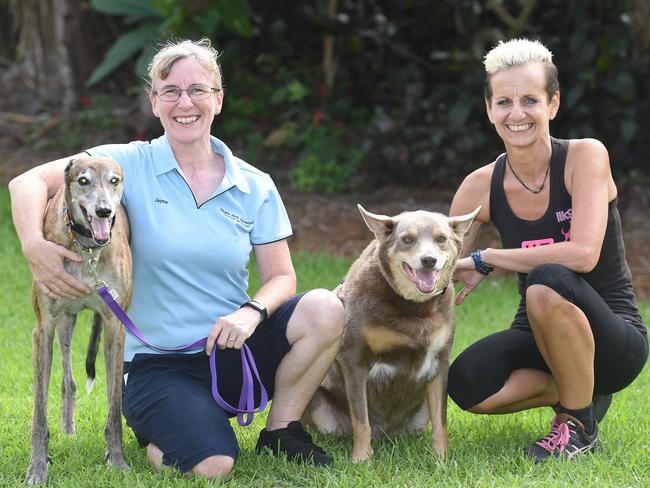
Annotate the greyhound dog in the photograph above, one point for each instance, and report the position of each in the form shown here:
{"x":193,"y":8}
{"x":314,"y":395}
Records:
{"x":85,"y":216}
{"x":390,"y":374}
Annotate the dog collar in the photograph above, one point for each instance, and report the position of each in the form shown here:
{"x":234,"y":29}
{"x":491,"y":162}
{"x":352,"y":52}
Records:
{"x":76,"y":232}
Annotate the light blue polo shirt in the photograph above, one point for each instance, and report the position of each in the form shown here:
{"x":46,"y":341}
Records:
{"x":189,"y":262}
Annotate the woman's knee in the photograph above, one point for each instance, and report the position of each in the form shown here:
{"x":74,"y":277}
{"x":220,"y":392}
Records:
{"x":545,"y":305}
{"x":540,"y":299}
{"x":546,"y":274}
{"x":214,"y":467}
{"x":323,"y":310}
{"x":542,"y":288}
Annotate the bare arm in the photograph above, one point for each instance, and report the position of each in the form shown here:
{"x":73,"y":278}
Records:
{"x":278,"y":280}
{"x":474,"y":191}
{"x":30,"y":192}
{"x":277,"y":276}
{"x":589,"y":181}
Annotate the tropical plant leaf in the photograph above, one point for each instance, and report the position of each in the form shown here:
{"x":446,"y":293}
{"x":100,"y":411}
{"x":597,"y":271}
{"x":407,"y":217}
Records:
{"x":235,"y":16}
{"x":144,"y":60}
{"x":166,"y":6}
{"x":208,"y":22}
{"x":139,"y":8}
{"x":125,"y":47}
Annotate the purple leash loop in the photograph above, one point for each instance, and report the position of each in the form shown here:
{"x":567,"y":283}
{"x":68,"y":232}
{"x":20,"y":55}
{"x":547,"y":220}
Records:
{"x":246,"y":408}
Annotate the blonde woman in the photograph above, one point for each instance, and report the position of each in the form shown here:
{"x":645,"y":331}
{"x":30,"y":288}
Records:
{"x":196,"y":213}
{"x":577,"y":336}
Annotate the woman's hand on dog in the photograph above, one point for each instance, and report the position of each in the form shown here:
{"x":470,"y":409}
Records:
{"x":230,"y":331}
{"x":467,"y":274}
{"x":46,"y":260}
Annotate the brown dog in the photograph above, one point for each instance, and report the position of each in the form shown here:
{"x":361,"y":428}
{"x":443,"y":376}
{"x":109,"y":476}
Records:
{"x":85,"y":215}
{"x":390,"y":375}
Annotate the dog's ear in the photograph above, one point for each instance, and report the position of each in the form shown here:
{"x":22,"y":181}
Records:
{"x":380,"y":225}
{"x":460,"y":224}
{"x":66,"y":171}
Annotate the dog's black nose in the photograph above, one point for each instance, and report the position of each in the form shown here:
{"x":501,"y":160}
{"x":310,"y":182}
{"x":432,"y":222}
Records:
{"x":428,"y":261}
{"x":103,"y":212}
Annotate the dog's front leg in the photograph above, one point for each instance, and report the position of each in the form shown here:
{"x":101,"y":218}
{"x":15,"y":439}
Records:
{"x":42,"y":341}
{"x":437,"y":402}
{"x":356,"y":382}
{"x":114,"y":357}
{"x":68,"y":386}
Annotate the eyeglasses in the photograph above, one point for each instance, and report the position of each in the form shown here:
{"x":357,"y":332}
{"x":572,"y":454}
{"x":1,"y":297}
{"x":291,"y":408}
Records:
{"x":196,"y":92}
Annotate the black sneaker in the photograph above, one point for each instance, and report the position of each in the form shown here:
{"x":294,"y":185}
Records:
{"x":600,"y":405}
{"x":566,"y":439}
{"x":295,"y":443}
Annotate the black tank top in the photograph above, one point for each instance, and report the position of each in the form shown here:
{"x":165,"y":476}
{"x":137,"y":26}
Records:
{"x":611,"y":276}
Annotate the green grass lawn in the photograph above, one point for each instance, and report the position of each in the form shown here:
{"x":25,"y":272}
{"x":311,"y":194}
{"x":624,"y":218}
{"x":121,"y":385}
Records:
{"x":485,"y":451}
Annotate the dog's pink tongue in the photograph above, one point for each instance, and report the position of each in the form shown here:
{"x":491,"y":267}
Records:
{"x":101,"y":229}
{"x":426,"y":280}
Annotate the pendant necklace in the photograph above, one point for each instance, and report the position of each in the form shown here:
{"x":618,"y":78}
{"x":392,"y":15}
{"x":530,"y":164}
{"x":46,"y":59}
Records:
{"x":532,"y":190}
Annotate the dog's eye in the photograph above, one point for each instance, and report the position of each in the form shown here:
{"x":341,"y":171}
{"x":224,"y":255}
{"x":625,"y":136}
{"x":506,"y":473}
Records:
{"x":115,"y":180}
{"x":83,"y":181}
{"x":407,"y":239}
{"x":441,"y":239}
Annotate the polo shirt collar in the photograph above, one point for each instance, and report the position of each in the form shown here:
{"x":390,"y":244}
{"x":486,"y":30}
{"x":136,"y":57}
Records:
{"x":165,"y":161}
{"x":234,"y":175}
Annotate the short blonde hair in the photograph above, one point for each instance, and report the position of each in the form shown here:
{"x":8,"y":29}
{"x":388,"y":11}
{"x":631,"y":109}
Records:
{"x":173,"y":50}
{"x":518,"y":52}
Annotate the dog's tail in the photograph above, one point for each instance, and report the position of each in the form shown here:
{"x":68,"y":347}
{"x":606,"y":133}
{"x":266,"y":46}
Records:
{"x":91,"y":354}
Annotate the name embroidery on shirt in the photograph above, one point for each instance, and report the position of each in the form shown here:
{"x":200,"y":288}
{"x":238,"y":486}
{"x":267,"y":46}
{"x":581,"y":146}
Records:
{"x":237,"y":218}
{"x":160,"y":200}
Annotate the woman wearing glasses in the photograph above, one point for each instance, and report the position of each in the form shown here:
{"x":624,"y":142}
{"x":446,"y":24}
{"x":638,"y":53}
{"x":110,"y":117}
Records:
{"x":196,"y":211}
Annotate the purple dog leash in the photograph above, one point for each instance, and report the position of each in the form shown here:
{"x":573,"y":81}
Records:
{"x":246,"y":408}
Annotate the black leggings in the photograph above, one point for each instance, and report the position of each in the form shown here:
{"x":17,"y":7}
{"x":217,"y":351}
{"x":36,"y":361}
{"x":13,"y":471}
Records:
{"x":621,"y":348}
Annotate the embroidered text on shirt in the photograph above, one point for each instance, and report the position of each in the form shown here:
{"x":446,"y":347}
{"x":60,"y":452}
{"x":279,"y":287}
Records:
{"x":236,"y":218}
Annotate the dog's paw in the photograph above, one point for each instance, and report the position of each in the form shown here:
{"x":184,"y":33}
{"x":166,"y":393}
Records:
{"x":362,"y":456}
{"x":440,"y":447}
{"x":116,"y":461}
{"x":68,"y":427}
{"x":37,"y":473}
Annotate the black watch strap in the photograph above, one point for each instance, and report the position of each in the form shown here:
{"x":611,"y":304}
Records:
{"x":259,"y":307}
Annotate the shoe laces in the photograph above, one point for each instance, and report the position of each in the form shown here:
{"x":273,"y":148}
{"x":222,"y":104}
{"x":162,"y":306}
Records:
{"x":558,"y":437}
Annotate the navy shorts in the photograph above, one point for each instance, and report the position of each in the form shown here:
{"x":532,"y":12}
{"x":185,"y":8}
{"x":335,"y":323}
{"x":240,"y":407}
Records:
{"x":621,"y":351}
{"x":167,"y":398}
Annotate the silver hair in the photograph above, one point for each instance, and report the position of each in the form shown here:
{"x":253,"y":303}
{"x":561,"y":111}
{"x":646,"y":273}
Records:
{"x":515,"y":52}
{"x":173,"y":50}
{"x":518,"y":52}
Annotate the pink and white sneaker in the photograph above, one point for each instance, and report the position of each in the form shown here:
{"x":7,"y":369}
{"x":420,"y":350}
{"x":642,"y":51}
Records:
{"x":567,"y":438}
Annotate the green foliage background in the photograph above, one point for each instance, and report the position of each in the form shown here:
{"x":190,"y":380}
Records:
{"x":401,"y":100}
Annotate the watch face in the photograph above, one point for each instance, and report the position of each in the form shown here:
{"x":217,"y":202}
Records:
{"x":257,"y":305}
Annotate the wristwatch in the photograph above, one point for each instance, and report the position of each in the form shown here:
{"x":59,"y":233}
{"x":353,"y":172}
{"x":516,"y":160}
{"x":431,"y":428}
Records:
{"x":259,"y":307}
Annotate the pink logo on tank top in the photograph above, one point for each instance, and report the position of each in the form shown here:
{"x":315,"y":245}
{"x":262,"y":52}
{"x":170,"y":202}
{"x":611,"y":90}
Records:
{"x":567,"y":234}
{"x":562,"y":215}
{"x":537,"y":242}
